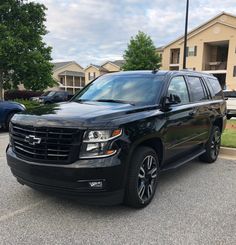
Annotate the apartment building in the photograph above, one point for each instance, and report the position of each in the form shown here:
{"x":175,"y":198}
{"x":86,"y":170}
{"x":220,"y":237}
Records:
{"x":211,"y":48}
{"x":70,"y":76}
{"x":92,"y":71}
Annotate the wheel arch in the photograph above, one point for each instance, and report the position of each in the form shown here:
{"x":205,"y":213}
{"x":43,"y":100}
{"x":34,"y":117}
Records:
{"x":155,"y":143}
{"x":10,"y":112}
{"x":218,"y":122}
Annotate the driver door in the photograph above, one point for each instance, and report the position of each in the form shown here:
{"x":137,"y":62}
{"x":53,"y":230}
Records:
{"x":179,"y":128}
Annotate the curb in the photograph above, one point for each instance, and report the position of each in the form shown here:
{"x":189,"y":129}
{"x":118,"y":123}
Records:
{"x":228,"y":152}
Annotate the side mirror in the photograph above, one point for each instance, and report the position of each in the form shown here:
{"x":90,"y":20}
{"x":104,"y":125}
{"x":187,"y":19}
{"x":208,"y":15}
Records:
{"x":172,"y":99}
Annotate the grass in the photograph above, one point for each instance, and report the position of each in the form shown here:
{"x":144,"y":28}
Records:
{"x":229,"y":135}
{"x":29,"y":104}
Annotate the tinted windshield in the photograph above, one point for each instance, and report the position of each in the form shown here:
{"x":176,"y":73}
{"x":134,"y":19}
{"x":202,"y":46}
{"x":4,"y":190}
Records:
{"x":135,"y":89}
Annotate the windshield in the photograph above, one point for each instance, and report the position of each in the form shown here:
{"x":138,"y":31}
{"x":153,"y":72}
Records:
{"x":134,"y":89}
{"x":46,"y":93}
{"x":51,"y":93}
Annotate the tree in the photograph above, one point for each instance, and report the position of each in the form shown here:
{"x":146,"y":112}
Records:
{"x":24,"y":57}
{"x":141,"y":54}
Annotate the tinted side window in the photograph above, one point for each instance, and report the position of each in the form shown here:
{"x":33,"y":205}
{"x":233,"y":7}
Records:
{"x":60,"y":95}
{"x":196,"y":89}
{"x":178,"y":87}
{"x":215,"y":88}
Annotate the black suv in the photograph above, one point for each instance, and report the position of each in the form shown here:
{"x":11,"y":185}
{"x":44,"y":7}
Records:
{"x":110,"y":143}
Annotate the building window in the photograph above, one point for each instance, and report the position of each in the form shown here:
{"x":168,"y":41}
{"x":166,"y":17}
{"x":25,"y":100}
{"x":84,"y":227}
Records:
{"x":192,"y":51}
{"x":234,"y":74}
{"x":91,"y":75}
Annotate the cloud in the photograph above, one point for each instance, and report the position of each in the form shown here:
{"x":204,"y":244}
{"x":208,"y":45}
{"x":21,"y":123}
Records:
{"x":93,"y":31}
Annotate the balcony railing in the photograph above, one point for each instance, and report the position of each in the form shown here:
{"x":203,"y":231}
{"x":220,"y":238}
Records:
{"x":216,"y":65}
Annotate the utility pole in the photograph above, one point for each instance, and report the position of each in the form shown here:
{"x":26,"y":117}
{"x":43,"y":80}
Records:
{"x":186,"y":35}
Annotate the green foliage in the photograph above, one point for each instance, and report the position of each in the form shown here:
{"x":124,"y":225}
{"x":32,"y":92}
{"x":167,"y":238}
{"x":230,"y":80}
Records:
{"x":24,"y":57}
{"x":141,"y":54}
{"x":29,"y":104}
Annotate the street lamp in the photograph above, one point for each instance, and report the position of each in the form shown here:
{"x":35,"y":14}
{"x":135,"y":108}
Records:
{"x":186,"y":35}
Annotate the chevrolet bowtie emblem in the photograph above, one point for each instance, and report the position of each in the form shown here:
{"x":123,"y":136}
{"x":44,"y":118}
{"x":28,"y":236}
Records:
{"x":32,"y":140}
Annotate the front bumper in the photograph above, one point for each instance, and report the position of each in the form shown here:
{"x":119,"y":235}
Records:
{"x":73,"y":180}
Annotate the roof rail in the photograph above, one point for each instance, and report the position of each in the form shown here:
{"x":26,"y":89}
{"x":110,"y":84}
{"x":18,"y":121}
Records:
{"x":200,"y":72}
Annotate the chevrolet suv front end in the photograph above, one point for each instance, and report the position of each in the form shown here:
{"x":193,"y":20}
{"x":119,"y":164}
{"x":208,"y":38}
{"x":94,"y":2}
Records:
{"x":112,"y":140}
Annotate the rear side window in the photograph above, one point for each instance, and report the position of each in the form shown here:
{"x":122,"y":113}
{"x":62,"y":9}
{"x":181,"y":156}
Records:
{"x":215,"y":88}
{"x":196,"y":88}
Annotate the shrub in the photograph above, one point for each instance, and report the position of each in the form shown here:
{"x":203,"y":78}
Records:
{"x":29,"y":104}
{"x":20,"y":94}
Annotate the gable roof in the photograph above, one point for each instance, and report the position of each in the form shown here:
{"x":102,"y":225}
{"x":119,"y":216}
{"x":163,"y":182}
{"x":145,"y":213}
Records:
{"x":200,"y":26}
{"x":100,"y":68}
{"x":58,"y":65}
{"x":117,"y":63}
{"x":214,"y":23}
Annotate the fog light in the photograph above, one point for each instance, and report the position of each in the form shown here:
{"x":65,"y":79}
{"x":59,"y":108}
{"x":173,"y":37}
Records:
{"x":96,"y":184}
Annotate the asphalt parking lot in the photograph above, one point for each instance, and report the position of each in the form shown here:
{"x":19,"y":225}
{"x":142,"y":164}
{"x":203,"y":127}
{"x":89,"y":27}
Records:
{"x":194,"y":205}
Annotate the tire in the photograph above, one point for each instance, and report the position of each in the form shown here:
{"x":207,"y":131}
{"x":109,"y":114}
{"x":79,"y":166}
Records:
{"x":212,"y":146}
{"x":143,"y":178}
{"x":8,"y":120}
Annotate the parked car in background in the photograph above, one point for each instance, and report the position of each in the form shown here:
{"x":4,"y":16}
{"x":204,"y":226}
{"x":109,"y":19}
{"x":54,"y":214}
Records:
{"x":37,"y":98}
{"x":231,"y":103}
{"x":54,"y":97}
{"x":7,"y":111}
{"x":110,"y":143}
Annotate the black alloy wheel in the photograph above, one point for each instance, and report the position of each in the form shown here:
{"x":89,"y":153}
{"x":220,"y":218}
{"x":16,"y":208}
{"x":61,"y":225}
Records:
{"x":143,"y":177}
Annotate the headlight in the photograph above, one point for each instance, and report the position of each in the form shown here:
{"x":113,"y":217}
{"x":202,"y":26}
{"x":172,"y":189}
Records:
{"x":98,"y":143}
{"x":23,"y":106}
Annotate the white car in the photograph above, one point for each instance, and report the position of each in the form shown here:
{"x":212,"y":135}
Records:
{"x":231,"y":104}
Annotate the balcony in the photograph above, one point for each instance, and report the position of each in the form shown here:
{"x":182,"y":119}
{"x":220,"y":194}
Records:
{"x":174,"y":57}
{"x":215,"y":56}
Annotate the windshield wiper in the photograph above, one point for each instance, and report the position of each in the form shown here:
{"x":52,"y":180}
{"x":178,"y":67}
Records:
{"x":80,"y":100}
{"x":115,"y":101}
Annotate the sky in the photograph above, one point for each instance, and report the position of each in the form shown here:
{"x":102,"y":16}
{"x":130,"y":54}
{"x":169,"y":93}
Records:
{"x":95,"y":31}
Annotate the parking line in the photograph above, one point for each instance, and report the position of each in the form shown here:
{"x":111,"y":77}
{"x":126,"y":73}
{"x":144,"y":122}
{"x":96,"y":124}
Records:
{"x":22,"y":210}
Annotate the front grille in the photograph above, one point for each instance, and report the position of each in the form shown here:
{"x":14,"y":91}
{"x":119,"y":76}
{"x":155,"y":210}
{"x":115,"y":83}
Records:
{"x":49,"y":145}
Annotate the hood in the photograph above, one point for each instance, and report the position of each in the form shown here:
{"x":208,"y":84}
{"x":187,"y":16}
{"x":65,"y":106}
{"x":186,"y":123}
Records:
{"x":11,"y":103}
{"x":75,"y":114}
